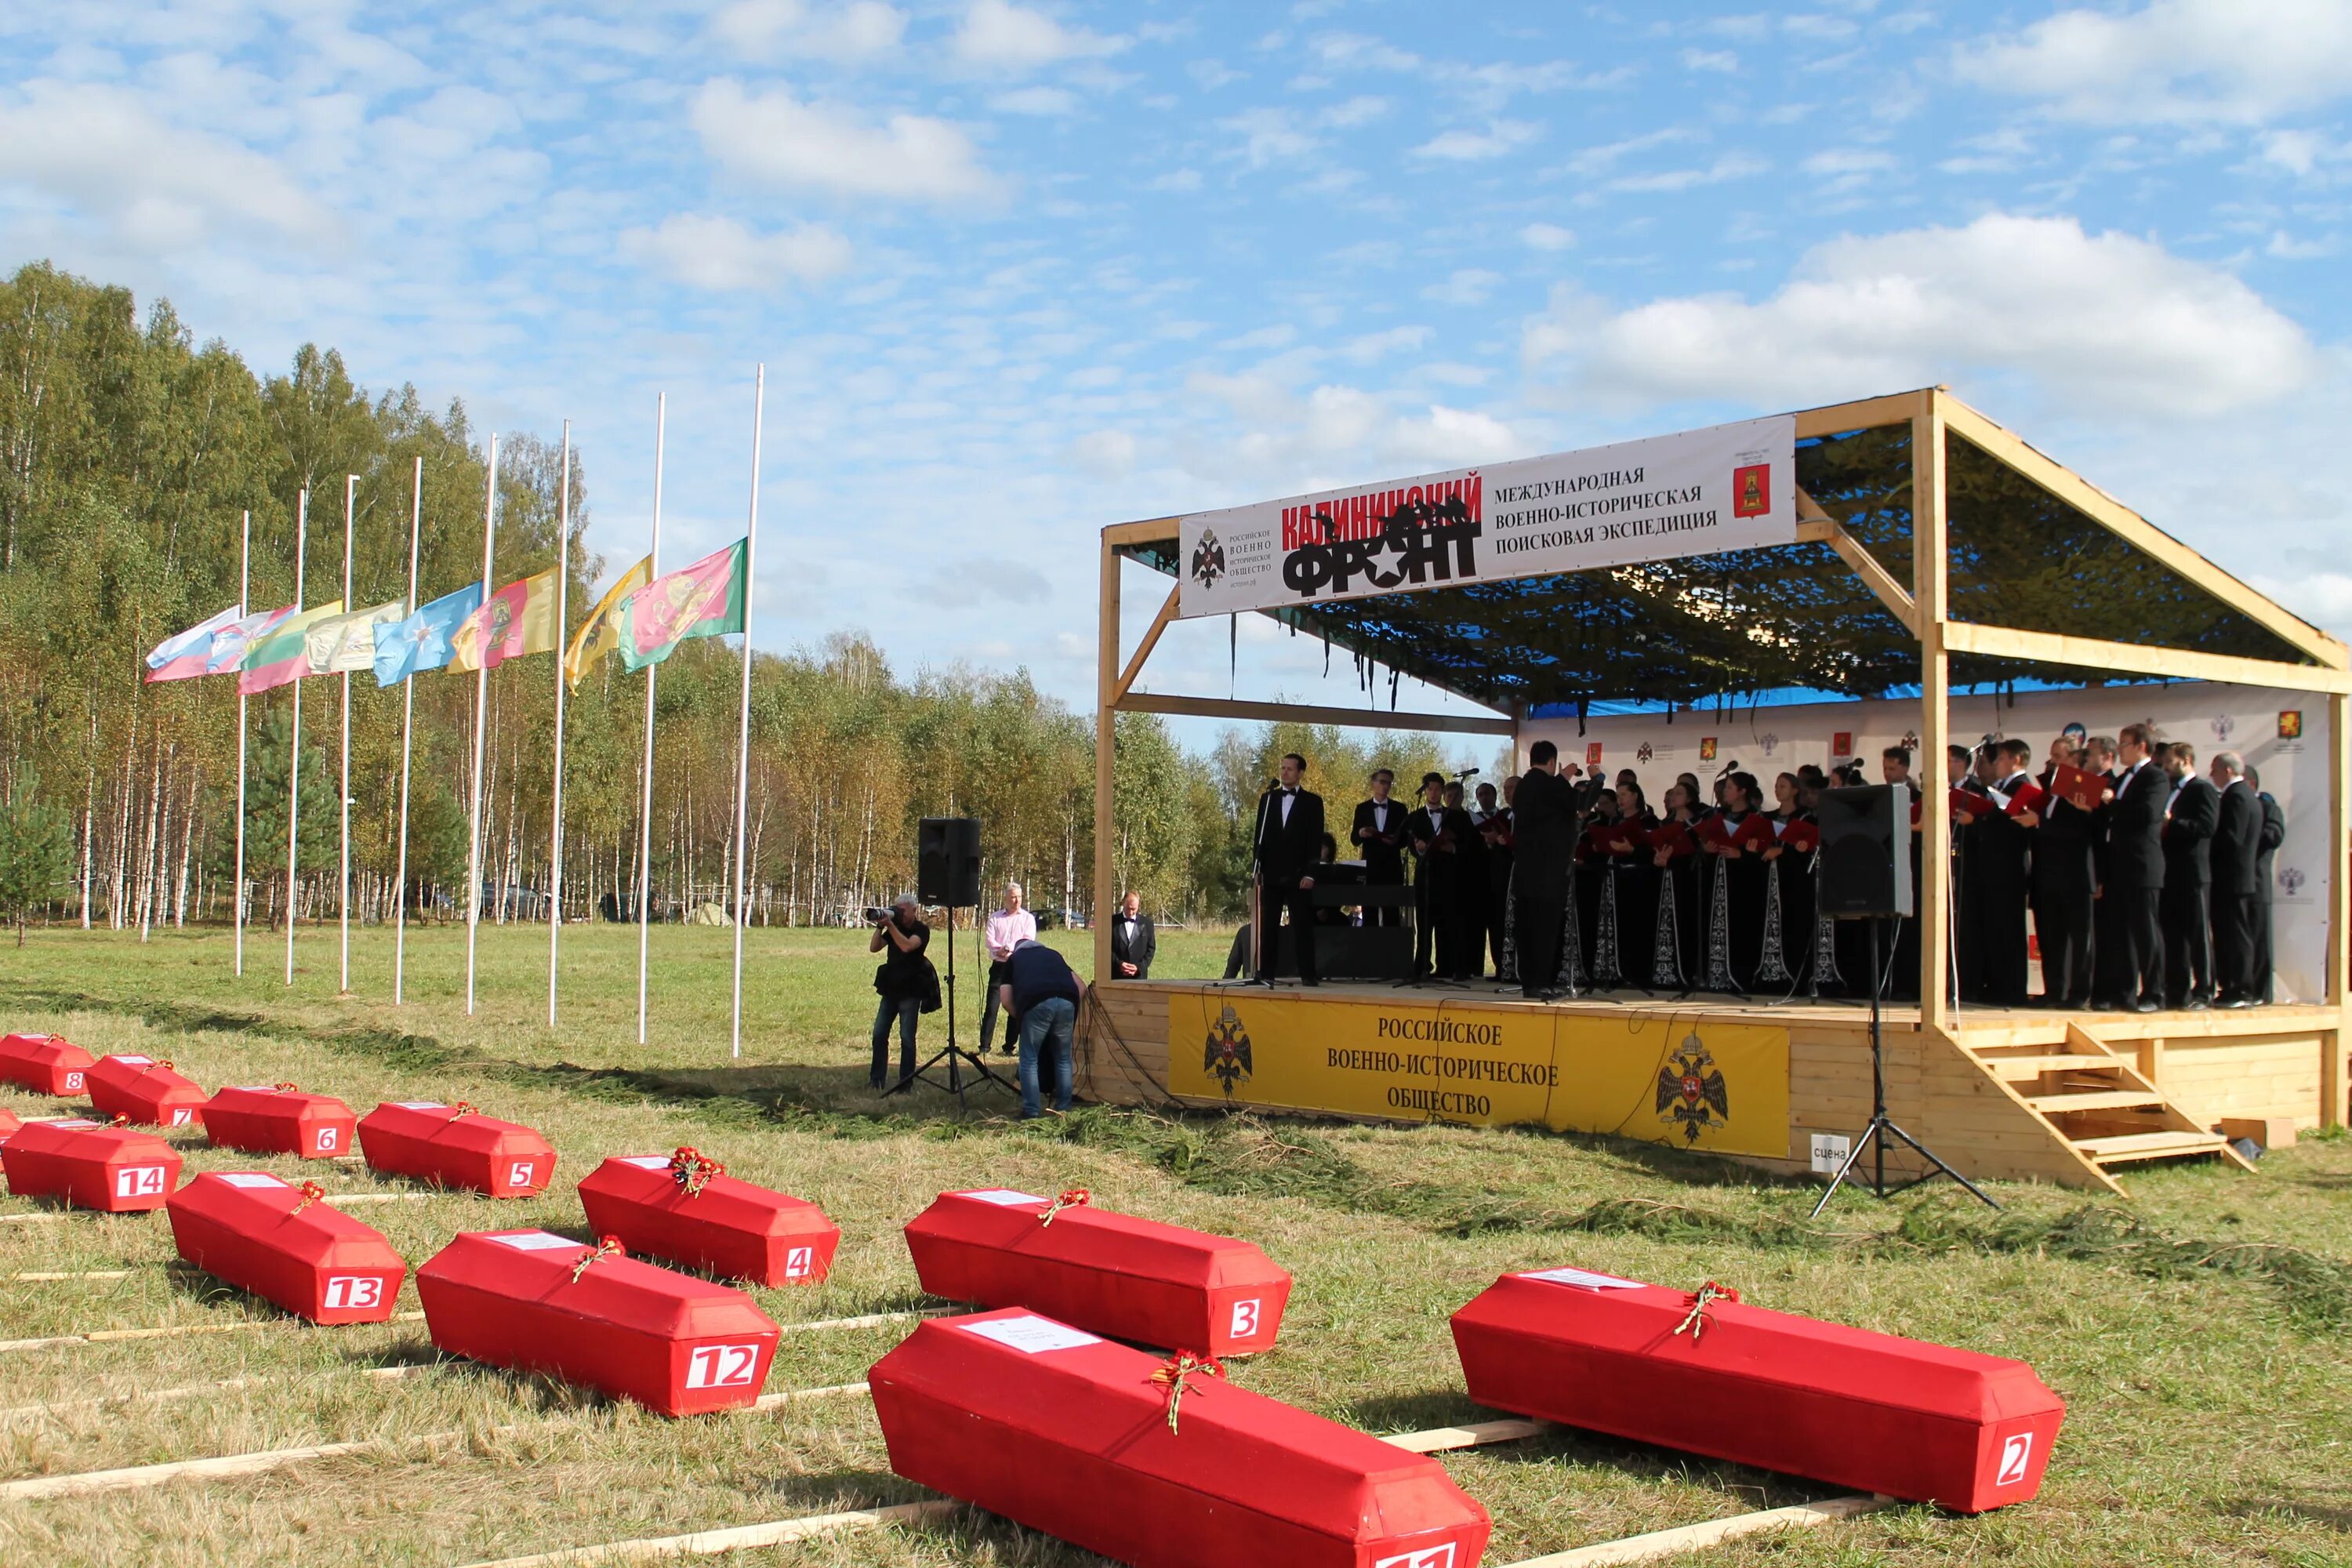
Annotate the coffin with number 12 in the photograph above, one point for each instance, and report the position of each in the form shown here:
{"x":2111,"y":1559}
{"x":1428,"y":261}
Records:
{"x":455,"y":1146}
{"x":660,"y":1205}
{"x":86,"y":1166}
{"x":278,"y":1118}
{"x":149,"y":1092}
{"x":1108,"y":1273}
{"x":269,"y":1237}
{"x":46,"y":1064}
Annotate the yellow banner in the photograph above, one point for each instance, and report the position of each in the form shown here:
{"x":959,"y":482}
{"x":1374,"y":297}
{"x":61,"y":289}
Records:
{"x":1693,"y":1084}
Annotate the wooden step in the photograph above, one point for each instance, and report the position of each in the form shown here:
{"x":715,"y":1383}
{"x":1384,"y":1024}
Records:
{"x":2128,"y":1146}
{"x":2096,"y":1099}
{"x":2010,"y":1070}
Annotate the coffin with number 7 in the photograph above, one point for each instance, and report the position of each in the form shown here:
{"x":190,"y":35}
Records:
{"x":685,"y":1210}
{"x":1923,"y":1421}
{"x":278,"y":1118}
{"x":539,"y":1302}
{"x":46,"y":1064}
{"x":267,"y":1235}
{"x":87,"y":1166}
{"x":1108,"y":1273}
{"x":1070,"y":1434}
{"x":455,"y":1146}
{"x":149,"y":1092}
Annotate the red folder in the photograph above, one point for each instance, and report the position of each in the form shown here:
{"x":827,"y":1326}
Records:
{"x":1755,"y":833}
{"x":1674,"y":837}
{"x":2078,"y":787}
{"x":1800,"y":837}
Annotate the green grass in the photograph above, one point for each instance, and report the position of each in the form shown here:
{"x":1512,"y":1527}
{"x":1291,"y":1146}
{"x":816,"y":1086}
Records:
{"x":2197,"y":1333}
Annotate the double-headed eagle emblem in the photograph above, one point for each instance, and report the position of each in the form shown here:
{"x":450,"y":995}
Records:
{"x":1227,"y":1059}
{"x":1691,"y":1090}
{"x":1208,"y":559}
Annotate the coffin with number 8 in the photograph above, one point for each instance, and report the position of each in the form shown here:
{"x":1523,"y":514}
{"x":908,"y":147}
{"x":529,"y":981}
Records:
{"x":272,"y":1120}
{"x":534,"y":1301}
{"x":453,"y":1146}
{"x":86,"y":1166}
{"x":265,"y":1236}
{"x":149,"y":1092}
{"x":729,"y":1227}
{"x":1923,"y":1421}
{"x":46,"y":1064}
{"x":1070,"y":1434}
{"x":1108,"y":1273}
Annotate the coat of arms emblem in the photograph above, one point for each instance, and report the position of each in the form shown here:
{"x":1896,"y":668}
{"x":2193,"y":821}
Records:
{"x":1691,"y":1091}
{"x":1208,"y":559}
{"x":1227,"y":1058}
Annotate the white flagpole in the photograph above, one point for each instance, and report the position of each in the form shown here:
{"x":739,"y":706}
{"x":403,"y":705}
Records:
{"x":481,"y":714}
{"x":743,"y":715}
{"x":555,"y":826}
{"x":350,"y":483}
{"x":244,"y":608}
{"x":294,"y":763}
{"x":407,"y":730}
{"x":646,"y":792}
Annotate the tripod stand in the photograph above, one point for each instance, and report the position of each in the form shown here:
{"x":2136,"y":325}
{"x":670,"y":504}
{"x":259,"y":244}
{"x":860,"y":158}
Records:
{"x":1881,"y":1126}
{"x":956,"y":1057}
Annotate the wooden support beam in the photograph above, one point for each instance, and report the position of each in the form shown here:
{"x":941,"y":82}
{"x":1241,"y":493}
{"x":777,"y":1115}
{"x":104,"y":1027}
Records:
{"x":1151,"y":640}
{"x":1105,"y":716}
{"x":1814,"y":525}
{"x":1896,"y":408}
{"x":1157,"y":530}
{"x":1930,"y":561}
{"x":1297,"y":713}
{"x":2332,"y":1112}
{"x":2139,"y":659}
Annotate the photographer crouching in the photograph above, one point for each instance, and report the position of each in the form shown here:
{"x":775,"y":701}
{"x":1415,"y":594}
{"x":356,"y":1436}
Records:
{"x":906,"y":982}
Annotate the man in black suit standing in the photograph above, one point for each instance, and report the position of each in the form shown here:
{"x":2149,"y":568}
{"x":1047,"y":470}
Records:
{"x":1441,"y":892}
{"x":2235,"y":909}
{"x":1379,"y":833}
{"x":2061,"y":888}
{"x":1545,"y":827}
{"x":2273,"y":834}
{"x":2188,"y":879}
{"x":1132,"y":941}
{"x":1289,"y":843}
{"x":2135,"y":870}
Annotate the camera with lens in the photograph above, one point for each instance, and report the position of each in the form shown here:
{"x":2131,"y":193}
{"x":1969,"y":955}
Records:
{"x":875,"y":917}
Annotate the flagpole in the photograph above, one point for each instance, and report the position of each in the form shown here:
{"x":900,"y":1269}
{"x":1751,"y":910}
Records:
{"x":407,"y":730}
{"x":743,"y":714}
{"x":563,"y":629}
{"x":350,"y":483}
{"x":646,"y":794}
{"x":481,"y":713}
{"x":244,"y":608}
{"x":294,"y":760}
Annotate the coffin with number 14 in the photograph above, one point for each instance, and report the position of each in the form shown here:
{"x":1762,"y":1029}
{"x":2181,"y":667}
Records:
{"x":455,"y":1146}
{"x":686,"y":1209}
{"x":149,"y":1092}
{"x":46,"y":1064}
{"x":280,"y":1242}
{"x":278,"y":1118}
{"x":87,"y":1166}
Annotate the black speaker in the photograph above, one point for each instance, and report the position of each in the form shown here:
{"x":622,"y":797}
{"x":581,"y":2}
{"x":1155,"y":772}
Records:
{"x":947,"y":861}
{"x":1865,"y":866}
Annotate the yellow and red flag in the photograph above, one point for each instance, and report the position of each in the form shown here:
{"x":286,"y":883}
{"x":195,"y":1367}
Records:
{"x":518,"y":620}
{"x":600,"y":634}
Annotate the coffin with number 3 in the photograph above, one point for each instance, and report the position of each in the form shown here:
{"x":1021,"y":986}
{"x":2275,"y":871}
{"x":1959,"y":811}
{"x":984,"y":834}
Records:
{"x":686,"y":1209}
{"x":535,"y":1302}
{"x":46,"y":1064}
{"x":278,"y":1118}
{"x":1108,"y":1273}
{"x":455,"y":1146}
{"x":86,"y":1166}
{"x":280,"y":1242}
{"x":1073,"y":1434}
{"x":1923,"y":1421}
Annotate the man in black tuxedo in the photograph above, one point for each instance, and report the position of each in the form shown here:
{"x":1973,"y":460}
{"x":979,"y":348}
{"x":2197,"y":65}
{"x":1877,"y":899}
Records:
{"x":1132,"y":941}
{"x":2109,"y":983}
{"x":1442,"y":944}
{"x":2273,"y":834}
{"x":1379,"y":834}
{"x":1492,"y":820}
{"x":2182,"y":913}
{"x":1544,"y":827}
{"x":1288,"y":843}
{"x":2234,"y":909}
{"x":2135,"y":870}
{"x":2061,"y":888}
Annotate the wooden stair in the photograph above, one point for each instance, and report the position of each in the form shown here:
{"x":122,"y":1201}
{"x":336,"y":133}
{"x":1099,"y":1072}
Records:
{"x":2100,"y":1104}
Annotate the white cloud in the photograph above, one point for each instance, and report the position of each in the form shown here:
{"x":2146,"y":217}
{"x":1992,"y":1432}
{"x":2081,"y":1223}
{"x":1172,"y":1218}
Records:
{"x":1106,"y":454}
{"x":1547,"y":236}
{"x":1710,"y":61}
{"x":717,"y":253}
{"x":778,"y":140}
{"x":1451,"y":438}
{"x":1357,"y":110}
{"x":1466,"y":285}
{"x":1606,"y":156}
{"x":860,"y":30}
{"x":2175,"y":61}
{"x":1178,"y":180}
{"x":1286,"y":442}
{"x":1730,"y":166}
{"x":1270,"y":136}
{"x":1002,"y":36}
{"x":1500,"y":136}
{"x":1044,"y":101}
{"x":2103,"y":321}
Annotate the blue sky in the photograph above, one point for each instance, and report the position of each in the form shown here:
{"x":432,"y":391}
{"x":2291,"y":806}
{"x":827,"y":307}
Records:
{"x":1021,"y":269}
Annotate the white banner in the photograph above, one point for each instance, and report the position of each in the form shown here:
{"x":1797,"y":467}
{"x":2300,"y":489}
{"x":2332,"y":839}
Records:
{"x":1732,"y":487}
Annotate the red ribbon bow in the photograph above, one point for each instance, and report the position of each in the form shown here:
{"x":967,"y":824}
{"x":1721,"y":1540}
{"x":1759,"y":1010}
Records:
{"x":692,"y":1170}
{"x":462,"y":1109}
{"x":1074,"y":1198}
{"x":1175,"y":1374}
{"x":607,"y":1247}
{"x":313,"y":1193}
{"x":1701,"y":1299}
{"x":163,"y":1062}
{"x":287,"y":1087}
{"x":120,"y":1118}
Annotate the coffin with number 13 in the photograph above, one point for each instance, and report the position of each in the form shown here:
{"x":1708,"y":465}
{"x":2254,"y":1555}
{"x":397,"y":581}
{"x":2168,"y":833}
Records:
{"x":455,"y":1146}
{"x":283,"y":1244}
{"x":86,"y":1166}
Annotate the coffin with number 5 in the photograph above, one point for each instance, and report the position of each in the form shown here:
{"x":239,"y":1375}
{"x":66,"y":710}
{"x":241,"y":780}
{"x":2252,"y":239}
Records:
{"x":87,"y":1166}
{"x":283,"y":1244}
{"x":455,"y":1146}
{"x":149,"y":1092}
{"x":1923,"y":1421}
{"x":280,"y":1120}
{"x":46,"y":1064}
{"x":1070,"y":1434}
{"x":684,"y":1208}
{"x":535,"y":1302}
{"x":1108,"y":1273}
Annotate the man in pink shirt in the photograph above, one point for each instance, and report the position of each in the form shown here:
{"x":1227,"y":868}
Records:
{"x":1004,"y":929}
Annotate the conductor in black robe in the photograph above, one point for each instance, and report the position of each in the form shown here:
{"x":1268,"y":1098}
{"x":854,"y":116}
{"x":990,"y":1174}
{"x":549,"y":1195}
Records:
{"x":2182,"y":913}
{"x":1544,"y":820}
{"x":2135,"y":871}
{"x":1288,"y":842}
{"x":2234,"y":908}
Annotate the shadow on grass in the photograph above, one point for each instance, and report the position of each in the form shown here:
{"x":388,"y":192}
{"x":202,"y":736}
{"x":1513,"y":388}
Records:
{"x":2330,"y":1511}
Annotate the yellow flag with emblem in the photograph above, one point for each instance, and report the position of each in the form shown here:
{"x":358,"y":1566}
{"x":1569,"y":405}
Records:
{"x":600,"y":634}
{"x":518,"y":620}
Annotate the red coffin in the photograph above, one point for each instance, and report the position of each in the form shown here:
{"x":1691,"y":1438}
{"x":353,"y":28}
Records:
{"x":1879,"y":1414}
{"x":46,"y":1064}
{"x":279,"y":1121}
{"x":8,"y":1123}
{"x":87,"y":1166}
{"x":455,"y":1146}
{"x":269,"y":1236}
{"x":724,"y":1226}
{"x":677,"y":1344}
{"x":1108,"y":1273}
{"x":146,"y":1090}
{"x":1068,"y":1433}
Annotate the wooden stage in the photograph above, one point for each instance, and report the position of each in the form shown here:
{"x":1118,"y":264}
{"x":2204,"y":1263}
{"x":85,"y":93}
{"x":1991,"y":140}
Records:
{"x":2018,"y":1094}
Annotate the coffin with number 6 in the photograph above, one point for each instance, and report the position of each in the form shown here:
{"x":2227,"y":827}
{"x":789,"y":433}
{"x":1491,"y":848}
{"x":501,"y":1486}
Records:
{"x":1923,"y":1421}
{"x":1070,"y":1434}
{"x":46,"y":1064}
{"x":455,"y":1146}
{"x":665,"y":1205}
{"x":539,"y":1302}
{"x":280,"y":1120}
{"x":87,"y":1166}
{"x":149,"y":1092}
{"x":269,"y":1237}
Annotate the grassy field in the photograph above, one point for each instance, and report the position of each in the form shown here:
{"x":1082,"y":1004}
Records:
{"x":2197,"y":1333}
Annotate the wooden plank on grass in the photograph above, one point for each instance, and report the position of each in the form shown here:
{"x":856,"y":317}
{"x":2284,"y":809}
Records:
{"x":1477,"y":1434}
{"x":739,"y":1538}
{"x":140,"y":1475}
{"x":1695,"y":1537}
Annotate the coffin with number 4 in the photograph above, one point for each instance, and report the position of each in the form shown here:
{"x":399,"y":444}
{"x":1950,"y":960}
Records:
{"x":280,"y":1120}
{"x":538,"y":1302}
{"x":46,"y":1064}
{"x":1071,"y":1435}
{"x":87,"y":1166}
{"x":148,"y":1092}
{"x":685,"y":1209}
{"x":455,"y":1146}
{"x":1110,"y":1273}
{"x":271,"y":1237}
{"x":1922,"y":1422}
